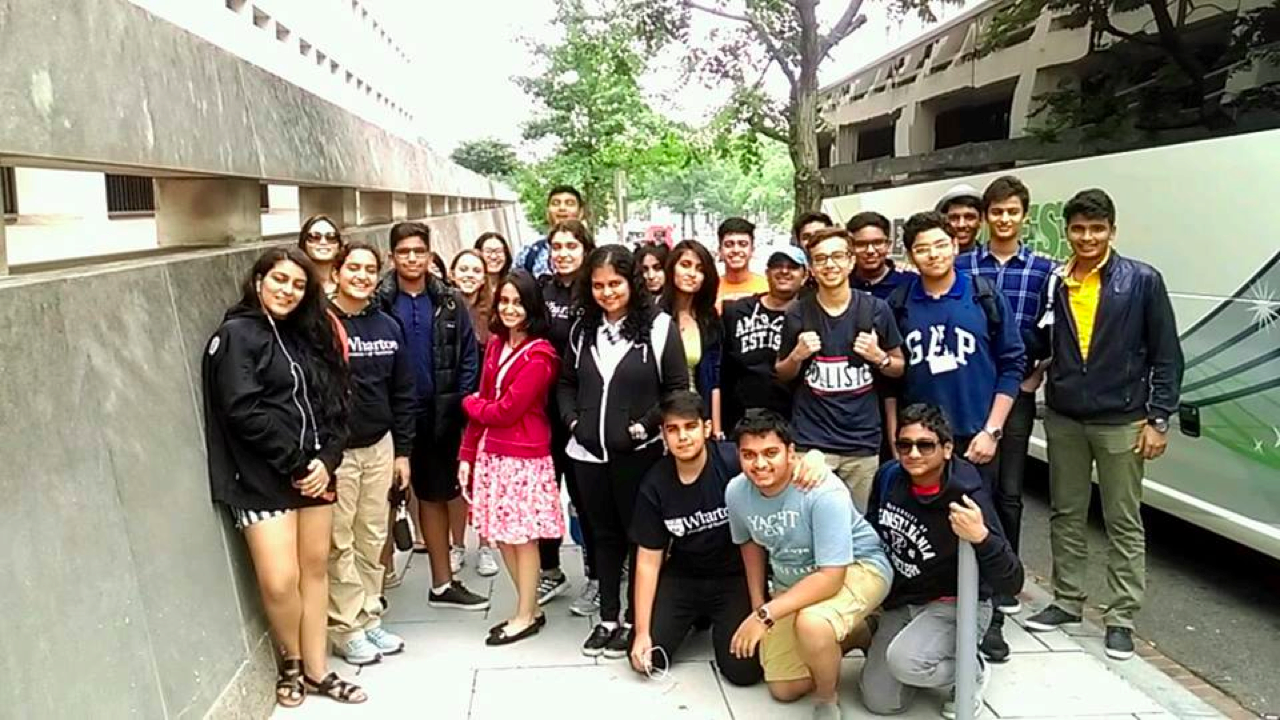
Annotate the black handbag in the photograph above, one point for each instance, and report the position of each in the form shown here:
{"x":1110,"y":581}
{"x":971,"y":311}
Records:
{"x":401,"y":533}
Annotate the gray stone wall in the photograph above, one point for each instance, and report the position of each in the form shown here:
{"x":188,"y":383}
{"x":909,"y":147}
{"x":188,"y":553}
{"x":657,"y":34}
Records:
{"x":129,"y":593}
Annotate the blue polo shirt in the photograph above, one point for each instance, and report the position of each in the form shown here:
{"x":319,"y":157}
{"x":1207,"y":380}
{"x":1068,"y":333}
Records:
{"x":417,"y":315}
{"x":886,"y":284}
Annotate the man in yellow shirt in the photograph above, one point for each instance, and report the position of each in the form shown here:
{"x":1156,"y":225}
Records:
{"x":1112,"y":383}
{"x":737,"y":243}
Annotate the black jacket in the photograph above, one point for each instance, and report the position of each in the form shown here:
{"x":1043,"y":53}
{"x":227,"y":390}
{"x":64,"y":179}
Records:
{"x":264,"y":423}
{"x":456,"y":359}
{"x":605,"y":407}
{"x":921,"y":545}
{"x":1135,"y":361}
{"x":563,"y":308}
{"x":382,"y":395}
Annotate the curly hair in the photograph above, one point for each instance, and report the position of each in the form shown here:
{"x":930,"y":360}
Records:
{"x":641,"y":308}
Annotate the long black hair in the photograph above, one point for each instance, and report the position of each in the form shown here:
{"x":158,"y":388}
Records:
{"x":306,"y":230}
{"x":506,"y":251}
{"x":537,"y":321}
{"x":704,"y":300}
{"x":640,"y":306}
{"x":312,"y":324}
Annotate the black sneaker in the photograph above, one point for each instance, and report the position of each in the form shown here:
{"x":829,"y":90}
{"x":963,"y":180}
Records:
{"x":551,"y":585}
{"x":619,"y":645}
{"x":595,"y":644}
{"x":1008,"y":604}
{"x":1119,"y":643}
{"x":1051,"y":618}
{"x":457,"y":597}
{"x":993,"y":647}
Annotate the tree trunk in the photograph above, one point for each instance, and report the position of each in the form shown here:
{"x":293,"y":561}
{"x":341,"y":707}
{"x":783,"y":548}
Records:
{"x":802,"y":113}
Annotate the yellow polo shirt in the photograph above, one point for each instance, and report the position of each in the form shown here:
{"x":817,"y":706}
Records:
{"x":1084,"y":295}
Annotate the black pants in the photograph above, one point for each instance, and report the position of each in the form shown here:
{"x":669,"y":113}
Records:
{"x":989,"y":471}
{"x":681,"y":601}
{"x":1013,"y":466}
{"x":609,"y":498}
{"x":549,"y":548}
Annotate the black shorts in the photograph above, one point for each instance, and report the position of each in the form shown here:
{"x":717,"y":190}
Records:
{"x":433,"y":464}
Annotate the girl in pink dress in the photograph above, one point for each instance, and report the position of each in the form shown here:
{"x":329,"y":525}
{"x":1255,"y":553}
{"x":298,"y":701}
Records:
{"x":506,"y":450}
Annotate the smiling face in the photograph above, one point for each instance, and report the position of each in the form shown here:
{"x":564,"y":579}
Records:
{"x":1089,"y":237}
{"x":964,"y":221}
{"x":610,"y":291}
{"x":934,"y":253}
{"x":654,"y":276}
{"x":870,"y":249}
{"x":785,"y":278}
{"x":567,"y":253}
{"x":357,"y":278}
{"x":920,"y":452}
{"x":495,"y":255}
{"x":831,"y":261}
{"x":735,"y":251}
{"x":563,"y":206}
{"x":1005,"y":217}
{"x":321,"y":242}
{"x":767,"y":461}
{"x":510,"y":310}
{"x":468,"y":274}
{"x":687,"y":273}
{"x":282,"y":289}
{"x":686,"y":437}
{"x":411,"y":258}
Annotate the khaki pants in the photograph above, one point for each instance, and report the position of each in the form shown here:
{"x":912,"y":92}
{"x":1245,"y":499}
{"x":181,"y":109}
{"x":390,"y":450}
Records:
{"x":359,"y":534}
{"x":1074,"y":449}
{"x":857,"y":472}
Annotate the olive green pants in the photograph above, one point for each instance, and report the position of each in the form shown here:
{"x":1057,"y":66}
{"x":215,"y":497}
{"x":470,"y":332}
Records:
{"x":1074,"y":450}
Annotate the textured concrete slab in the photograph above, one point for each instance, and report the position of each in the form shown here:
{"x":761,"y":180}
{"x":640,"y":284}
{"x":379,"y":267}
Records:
{"x":1062,"y":684}
{"x":692,"y":692}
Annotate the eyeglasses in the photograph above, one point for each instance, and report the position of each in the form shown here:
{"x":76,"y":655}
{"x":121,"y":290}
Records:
{"x":926,"y":447}
{"x":499,"y":252}
{"x":329,"y":237}
{"x":411,"y":252}
{"x":839,"y":258}
{"x":865,"y":245}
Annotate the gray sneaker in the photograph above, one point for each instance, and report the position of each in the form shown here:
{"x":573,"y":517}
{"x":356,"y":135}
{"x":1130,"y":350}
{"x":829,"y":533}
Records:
{"x":457,"y":597}
{"x":358,"y":651}
{"x":827,"y":711}
{"x":588,"y":602}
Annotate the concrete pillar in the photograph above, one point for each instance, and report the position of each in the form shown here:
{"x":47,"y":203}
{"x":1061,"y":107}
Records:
{"x":439,"y":205}
{"x":207,"y":211}
{"x":417,"y":206}
{"x":375,"y":208}
{"x":399,"y":206}
{"x":913,"y":132}
{"x":1032,"y":81}
{"x":338,"y":203}
{"x":4,"y":254}
{"x":846,"y":145}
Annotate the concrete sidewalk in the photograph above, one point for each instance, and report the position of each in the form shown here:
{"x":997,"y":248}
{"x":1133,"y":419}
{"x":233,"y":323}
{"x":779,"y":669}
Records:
{"x":447,"y":672}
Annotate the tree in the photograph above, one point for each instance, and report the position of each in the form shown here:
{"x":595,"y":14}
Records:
{"x":594,"y":114}
{"x":1152,"y":79}
{"x":765,"y":34}
{"x":488,"y":156}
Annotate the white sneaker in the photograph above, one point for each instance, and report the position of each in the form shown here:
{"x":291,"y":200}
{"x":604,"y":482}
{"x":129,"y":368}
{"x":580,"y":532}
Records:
{"x":387,"y":643}
{"x":486,"y":563}
{"x":358,"y":651}
{"x":457,"y":558}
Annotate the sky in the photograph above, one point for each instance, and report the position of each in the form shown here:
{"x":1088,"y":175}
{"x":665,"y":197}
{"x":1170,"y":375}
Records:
{"x":467,"y":52}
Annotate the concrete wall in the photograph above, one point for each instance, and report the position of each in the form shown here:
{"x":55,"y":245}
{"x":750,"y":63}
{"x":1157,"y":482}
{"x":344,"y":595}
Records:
{"x":129,"y":594}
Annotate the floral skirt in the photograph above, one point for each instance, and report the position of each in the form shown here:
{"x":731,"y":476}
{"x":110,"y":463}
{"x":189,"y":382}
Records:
{"x":515,"y":500}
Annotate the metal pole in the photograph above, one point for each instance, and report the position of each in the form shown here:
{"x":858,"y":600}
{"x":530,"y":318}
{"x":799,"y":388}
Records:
{"x":966,"y":632}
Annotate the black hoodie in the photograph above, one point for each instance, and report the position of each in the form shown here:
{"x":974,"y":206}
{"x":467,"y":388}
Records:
{"x":264,"y":422}
{"x":921,"y":545}
{"x":382,"y":394}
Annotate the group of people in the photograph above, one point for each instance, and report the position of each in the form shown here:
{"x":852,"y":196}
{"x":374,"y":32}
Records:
{"x":789,"y":460}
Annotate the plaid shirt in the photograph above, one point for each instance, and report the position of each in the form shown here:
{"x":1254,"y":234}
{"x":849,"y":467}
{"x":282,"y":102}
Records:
{"x":1020,"y":280}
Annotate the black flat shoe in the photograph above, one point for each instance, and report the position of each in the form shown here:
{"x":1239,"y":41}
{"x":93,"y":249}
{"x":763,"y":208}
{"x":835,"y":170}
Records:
{"x":540,"y":621}
{"x":500,"y":637}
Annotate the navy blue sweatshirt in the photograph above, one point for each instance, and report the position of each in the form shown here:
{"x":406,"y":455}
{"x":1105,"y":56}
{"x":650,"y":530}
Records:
{"x":382,"y":384}
{"x":922,"y":547}
{"x":952,"y":361}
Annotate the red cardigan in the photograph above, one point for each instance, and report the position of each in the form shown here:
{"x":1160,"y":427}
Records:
{"x":514,"y":422}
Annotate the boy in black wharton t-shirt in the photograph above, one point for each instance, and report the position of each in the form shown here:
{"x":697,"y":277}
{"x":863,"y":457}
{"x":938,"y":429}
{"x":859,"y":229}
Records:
{"x":687,"y":566}
{"x":837,"y":341}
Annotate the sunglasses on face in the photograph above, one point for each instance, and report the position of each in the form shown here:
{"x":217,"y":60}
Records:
{"x":926,"y":447}
{"x":329,"y":237}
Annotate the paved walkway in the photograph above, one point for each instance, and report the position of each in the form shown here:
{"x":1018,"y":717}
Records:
{"x":448,"y":673}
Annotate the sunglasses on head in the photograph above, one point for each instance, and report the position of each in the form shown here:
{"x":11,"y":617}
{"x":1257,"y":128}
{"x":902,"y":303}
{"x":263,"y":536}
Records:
{"x":926,"y":447}
{"x":327,"y":237}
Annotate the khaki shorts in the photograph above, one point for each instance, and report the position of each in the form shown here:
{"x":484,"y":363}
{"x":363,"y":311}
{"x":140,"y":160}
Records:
{"x":864,"y":589}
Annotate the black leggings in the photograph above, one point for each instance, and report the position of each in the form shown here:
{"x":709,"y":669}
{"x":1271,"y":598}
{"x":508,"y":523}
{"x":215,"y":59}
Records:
{"x":549,"y":548}
{"x":609,"y":498}
{"x":682,"y":601}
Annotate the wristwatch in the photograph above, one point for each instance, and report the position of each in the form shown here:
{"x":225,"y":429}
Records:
{"x":762,"y":614}
{"x":1161,"y":425}
{"x":995,"y":432}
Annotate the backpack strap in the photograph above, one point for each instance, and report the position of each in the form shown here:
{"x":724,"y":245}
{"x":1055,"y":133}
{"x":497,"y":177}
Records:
{"x":984,"y":293}
{"x":810,"y":321}
{"x":864,"y":311}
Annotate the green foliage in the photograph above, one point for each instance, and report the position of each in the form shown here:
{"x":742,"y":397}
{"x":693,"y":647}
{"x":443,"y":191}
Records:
{"x":488,"y":156}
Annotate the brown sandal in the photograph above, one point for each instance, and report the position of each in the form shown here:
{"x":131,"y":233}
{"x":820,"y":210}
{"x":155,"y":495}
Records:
{"x":335,"y":688}
{"x":290,"y":691}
